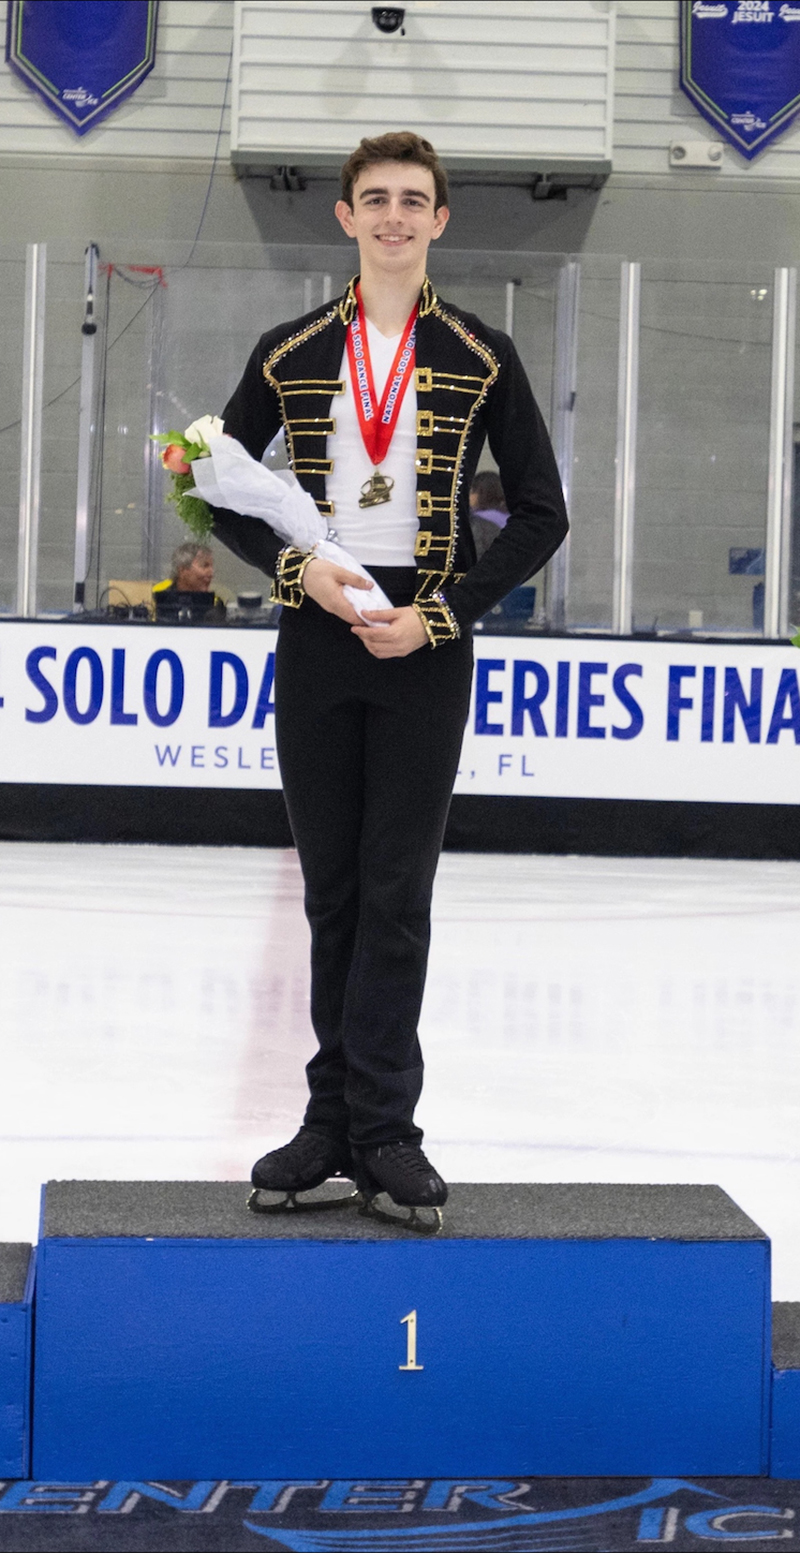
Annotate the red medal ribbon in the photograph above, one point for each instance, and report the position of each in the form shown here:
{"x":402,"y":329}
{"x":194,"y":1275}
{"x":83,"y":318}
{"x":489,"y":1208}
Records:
{"x":378,"y":424}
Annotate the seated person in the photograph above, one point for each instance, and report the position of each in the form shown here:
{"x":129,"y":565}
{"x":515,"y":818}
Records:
{"x":487,"y":509}
{"x":488,"y":513}
{"x":186,"y":594}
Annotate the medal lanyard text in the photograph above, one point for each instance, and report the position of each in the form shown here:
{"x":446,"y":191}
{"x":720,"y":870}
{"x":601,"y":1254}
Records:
{"x":377,"y":422}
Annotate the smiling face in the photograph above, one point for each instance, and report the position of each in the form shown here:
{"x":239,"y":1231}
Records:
{"x":393,"y":218}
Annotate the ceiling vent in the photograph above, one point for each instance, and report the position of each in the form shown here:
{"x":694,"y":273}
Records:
{"x":513,"y":91}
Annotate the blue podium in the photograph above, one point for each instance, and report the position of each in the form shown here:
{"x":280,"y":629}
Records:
{"x":785,"y":1442}
{"x":550,"y":1330}
{"x":16,"y":1299}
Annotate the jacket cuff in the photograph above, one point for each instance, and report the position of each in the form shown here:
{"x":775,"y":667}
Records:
{"x":438,"y":619}
{"x":287,"y":587}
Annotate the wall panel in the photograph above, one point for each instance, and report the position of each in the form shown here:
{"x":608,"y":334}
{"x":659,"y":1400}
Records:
{"x":174,"y":114}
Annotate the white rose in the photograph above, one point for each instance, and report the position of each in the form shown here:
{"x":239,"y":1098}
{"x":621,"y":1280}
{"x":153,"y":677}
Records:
{"x":200,"y":430}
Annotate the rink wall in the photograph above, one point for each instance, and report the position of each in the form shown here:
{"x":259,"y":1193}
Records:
{"x":573,"y":744}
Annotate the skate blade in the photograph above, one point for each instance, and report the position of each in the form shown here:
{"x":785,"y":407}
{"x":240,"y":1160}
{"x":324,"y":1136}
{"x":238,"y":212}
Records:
{"x":421,"y":1221}
{"x":332,"y":1194}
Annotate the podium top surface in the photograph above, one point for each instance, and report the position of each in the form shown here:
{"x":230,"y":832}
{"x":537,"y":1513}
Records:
{"x":786,"y":1335}
{"x":15,"y":1257}
{"x":500,"y":1211}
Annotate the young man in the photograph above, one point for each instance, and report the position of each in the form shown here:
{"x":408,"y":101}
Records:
{"x":386,"y":397}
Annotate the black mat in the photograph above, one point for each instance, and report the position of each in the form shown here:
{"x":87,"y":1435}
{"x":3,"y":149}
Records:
{"x":244,"y":817}
{"x":786,"y":1335}
{"x":15,"y":1256}
{"x":423,"y":1516}
{"x":217,"y":1209}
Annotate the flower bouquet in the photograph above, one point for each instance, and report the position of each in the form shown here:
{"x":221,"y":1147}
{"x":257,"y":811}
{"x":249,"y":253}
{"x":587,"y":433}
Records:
{"x":210,"y":469}
{"x":180,"y":452}
{"x":226,"y":476}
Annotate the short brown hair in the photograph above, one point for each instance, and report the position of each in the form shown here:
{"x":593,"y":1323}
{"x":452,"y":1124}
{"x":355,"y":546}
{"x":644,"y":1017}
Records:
{"x":397,"y":146}
{"x":488,"y":488}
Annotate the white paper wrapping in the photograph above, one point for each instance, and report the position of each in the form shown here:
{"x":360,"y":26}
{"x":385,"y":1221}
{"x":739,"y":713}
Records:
{"x":231,"y":478}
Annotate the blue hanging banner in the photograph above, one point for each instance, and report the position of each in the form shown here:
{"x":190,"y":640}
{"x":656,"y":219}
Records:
{"x":740,"y":65}
{"x":84,"y":57}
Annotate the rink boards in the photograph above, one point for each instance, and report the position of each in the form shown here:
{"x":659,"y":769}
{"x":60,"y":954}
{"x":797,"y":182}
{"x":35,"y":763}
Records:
{"x":581,"y":718}
{"x":590,"y":744}
{"x":549,"y":1331}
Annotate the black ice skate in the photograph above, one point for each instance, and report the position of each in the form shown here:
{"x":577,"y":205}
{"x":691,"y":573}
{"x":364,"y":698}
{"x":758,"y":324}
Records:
{"x":398,"y":1185}
{"x":299,"y":1175}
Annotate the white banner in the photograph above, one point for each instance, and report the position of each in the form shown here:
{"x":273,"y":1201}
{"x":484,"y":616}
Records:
{"x":615,"y":718}
{"x":137,"y":706}
{"x":556,"y":717}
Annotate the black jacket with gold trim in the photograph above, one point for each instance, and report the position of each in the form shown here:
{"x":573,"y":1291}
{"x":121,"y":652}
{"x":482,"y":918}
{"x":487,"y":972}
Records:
{"x":470,"y":385}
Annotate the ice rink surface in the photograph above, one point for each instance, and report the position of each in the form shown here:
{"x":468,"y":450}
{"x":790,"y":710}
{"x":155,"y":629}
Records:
{"x":586,"y":1019}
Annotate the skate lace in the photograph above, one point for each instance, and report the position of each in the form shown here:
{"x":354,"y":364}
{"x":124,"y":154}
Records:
{"x":411,"y":1159}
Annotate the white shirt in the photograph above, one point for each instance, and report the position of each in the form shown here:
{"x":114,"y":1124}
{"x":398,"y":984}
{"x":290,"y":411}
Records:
{"x":384,"y":535}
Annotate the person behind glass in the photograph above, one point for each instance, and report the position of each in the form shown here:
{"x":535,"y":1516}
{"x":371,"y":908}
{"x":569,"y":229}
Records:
{"x":187,"y":592}
{"x":488,"y":512}
{"x":386,"y":396}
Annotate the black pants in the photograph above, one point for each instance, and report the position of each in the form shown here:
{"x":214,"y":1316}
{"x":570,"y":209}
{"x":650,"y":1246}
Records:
{"x":368,"y":752}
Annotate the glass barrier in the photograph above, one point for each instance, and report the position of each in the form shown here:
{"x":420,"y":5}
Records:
{"x":12,"y":327}
{"x":517,"y":293}
{"x":173,"y":338}
{"x":702,"y":449}
{"x":590,"y":572}
{"x":188,"y":332}
{"x":60,"y":425}
{"x":794,"y":534}
{"x":794,"y":572}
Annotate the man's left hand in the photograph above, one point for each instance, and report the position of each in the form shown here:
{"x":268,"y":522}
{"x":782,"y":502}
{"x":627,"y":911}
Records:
{"x":401,"y":632}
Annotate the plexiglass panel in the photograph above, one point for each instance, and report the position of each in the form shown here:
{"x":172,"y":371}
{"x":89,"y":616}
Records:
{"x":794,"y":534}
{"x":173,"y":338}
{"x":703,"y":449}
{"x":591,"y":541}
{"x":12,"y":324}
{"x":60,"y":420}
{"x":516,"y":293}
{"x":188,"y":332}
{"x":188,"y":344}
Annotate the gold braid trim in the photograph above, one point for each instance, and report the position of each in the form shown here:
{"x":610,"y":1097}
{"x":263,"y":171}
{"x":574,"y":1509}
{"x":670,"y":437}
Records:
{"x":347,"y":306}
{"x":489,"y":359}
{"x":438,"y":619}
{"x":428,"y":300}
{"x":287,"y":587}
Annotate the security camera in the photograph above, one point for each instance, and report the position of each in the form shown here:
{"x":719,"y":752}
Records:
{"x":389,"y":18}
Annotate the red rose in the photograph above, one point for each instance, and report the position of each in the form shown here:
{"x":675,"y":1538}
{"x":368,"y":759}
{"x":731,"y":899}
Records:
{"x":172,"y":458}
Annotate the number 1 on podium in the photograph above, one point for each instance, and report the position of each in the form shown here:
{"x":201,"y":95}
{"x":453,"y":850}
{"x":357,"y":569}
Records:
{"x":410,"y":1324}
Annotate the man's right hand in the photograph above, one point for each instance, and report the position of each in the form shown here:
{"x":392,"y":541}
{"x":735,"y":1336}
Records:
{"x":325,"y":584}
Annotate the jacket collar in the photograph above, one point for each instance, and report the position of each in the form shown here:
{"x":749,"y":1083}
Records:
{"x":347,"y":305}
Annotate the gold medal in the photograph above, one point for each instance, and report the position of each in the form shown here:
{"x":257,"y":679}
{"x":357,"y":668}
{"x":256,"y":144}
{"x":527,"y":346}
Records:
{"x":376,"y":490}
{"x":378,"y":421}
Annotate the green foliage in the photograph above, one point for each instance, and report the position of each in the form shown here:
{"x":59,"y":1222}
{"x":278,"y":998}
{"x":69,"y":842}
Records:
{"x":190,"y":507}
{"x":191,"y":450}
